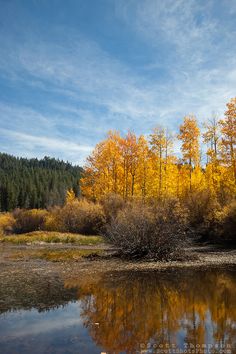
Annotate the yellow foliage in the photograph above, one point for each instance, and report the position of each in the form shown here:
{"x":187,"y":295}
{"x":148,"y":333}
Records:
{"x":70,"y":196}
{"x":228,"y":129}
{"x":52,"y":221}
{"x":7,"y":222}
{"x":78,"y":216}
{"x":133,"y":168}
{"x":189,"y":134}
{"x":139,"y":168}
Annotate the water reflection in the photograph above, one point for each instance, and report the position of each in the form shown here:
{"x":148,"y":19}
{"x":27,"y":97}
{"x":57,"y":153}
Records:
{"x":170,"y":307}
{"x":31,"y":291}
{"x":119,"y":312}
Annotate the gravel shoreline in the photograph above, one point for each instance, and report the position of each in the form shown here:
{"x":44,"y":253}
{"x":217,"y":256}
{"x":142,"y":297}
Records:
{"x":200,"y":256}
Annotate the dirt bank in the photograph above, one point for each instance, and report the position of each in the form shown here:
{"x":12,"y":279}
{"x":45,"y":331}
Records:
{"x":31,"y":258}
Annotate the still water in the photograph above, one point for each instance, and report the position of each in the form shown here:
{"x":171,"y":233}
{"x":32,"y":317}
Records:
{"x":122,"y":312}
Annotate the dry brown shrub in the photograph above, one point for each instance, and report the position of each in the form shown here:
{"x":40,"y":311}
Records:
{"x":200,"y":205}
{"x":112,"y":203}
{"x":221,"y":225}
{"x":29,"y":220}
{"x":142,"y":231}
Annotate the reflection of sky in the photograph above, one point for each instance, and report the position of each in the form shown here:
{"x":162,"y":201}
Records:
{"x":45,"y":332}
{"x":24,"y":323}
{"x":210,"y":326}
{"x":186,"y":323}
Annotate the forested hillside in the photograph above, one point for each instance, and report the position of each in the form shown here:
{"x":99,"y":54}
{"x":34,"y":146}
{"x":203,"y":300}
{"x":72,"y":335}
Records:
{"x":33,"y":183}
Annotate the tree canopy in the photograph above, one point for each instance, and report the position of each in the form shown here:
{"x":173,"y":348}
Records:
{"x":147,"y":167}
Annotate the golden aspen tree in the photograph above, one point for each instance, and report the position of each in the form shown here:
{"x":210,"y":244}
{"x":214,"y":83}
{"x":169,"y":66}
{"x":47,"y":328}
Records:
{"x":189,"y":134}
{"x":129,"y":152}
{"x":102,"y":169}
{"x":143,"y":166}
{"x":182,"y":179}
{"x":70,"y":196}
{"x":211,"y":137}
{"x":134,"y":167}
{"x":228,"y":130}
{"x":169,"y":161}
{"x":113,"y":159}
{"x":112,"y":167}
{"x":133,"y":158}
{"x":91,"y":178}
{"x":158,"y":146}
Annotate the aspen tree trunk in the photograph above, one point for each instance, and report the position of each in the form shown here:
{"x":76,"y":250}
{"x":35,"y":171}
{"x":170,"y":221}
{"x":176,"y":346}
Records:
{"x":233,"y":159}
{"x":160,"y":173}
{"x":144,"y":182}
{"x":190,"y":175}
{"x":132,"y":184}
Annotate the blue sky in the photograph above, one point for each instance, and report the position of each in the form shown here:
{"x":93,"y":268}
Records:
{"x":72,"y":70}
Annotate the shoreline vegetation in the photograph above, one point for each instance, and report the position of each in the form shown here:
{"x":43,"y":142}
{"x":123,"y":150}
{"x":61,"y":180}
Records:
{"x":141,"y":199}
{"x":47,"y":237}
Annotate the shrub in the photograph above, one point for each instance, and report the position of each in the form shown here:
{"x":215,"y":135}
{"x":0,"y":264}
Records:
{"x":221,"y":225}
{"x":229,"y":222}
{"x":29,"y":220}
{"x":209,"y":219}
{"x":7,"y":222}
{"x":54,"y":220}
{"x":149,"y":232}
{"x":112,"y":203}
{"x":77,"y":216}
{"x":200,"y":204}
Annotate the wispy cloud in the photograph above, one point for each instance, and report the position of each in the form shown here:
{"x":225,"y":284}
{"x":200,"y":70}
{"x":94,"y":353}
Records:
{"x":87,"y":73}
{"x":113,"y":86}
{"x":78,"y":88}
{"x":42,"y":145}
{"x":185,"y":28}
{"x":47,"y":143}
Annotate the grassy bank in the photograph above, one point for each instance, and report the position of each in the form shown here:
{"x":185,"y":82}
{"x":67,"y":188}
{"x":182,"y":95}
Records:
{"x":55,"y":255}
{"x":52,"y":237}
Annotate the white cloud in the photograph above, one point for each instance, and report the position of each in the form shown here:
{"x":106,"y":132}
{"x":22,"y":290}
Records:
{"x":93,"y":91}
{"x":42,"y":145}
{"x":90,"y":75}
{"x":47,"y":143}
{"x":180,"y":23}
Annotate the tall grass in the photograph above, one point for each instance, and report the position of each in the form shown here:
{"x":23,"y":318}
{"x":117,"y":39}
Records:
{"x":52,"y":237}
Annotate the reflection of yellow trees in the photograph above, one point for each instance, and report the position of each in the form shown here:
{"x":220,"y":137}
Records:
{"x":129,"y":309}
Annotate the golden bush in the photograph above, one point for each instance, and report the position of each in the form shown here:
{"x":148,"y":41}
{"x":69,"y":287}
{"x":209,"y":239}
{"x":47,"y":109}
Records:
{"x":7,"y":222}
{"x":76,"y":216}
{"x":54,"y":220}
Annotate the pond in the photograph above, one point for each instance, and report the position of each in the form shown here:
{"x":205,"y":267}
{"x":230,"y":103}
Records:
{"x":121,"y":312}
